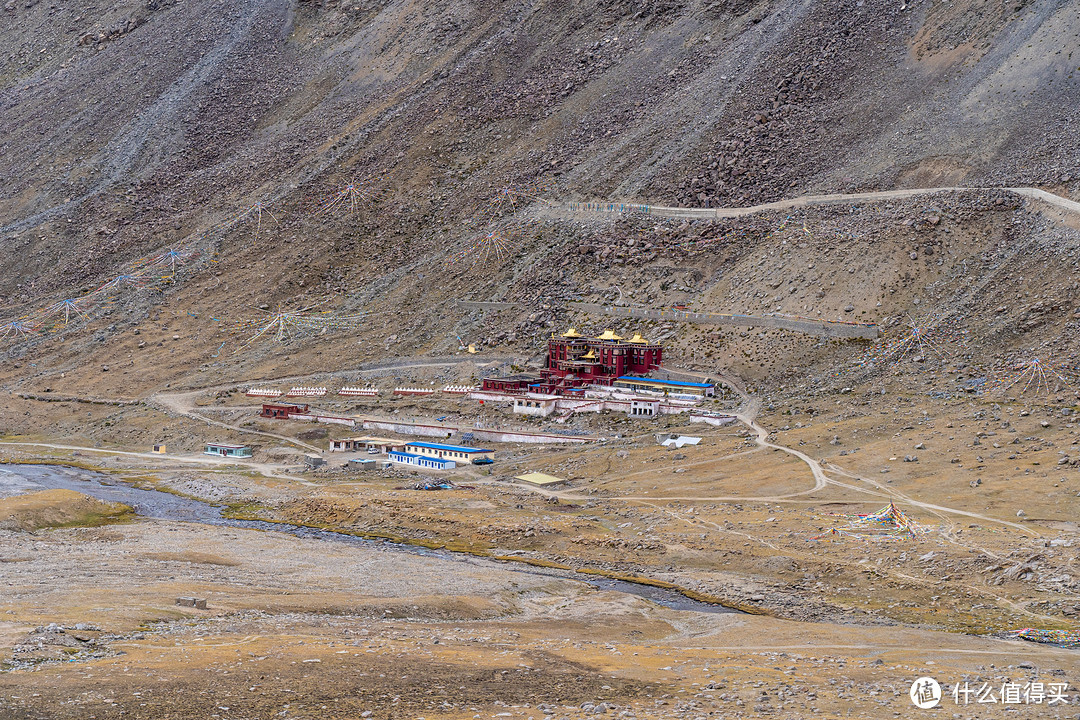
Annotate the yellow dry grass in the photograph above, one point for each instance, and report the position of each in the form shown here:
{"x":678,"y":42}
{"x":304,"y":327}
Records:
{"x":58,"y":508}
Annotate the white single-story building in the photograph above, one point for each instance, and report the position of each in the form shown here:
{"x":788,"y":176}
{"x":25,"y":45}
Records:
{"x":535,"y":404}
{"x":644,"y":408}
{"x":674,"y":387}
{"x":225,"y":450}
{"x":360,"y":444}
{"x":424,"y":461}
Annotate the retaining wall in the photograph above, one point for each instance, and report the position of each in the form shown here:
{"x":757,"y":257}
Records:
{"x":445,"y":431}
{"x":590,"y":404}
{"x":439,"y":431}
{"x":329,"y":419}
{"x":527,"y":437}
{"x":482,"y":305}
{"x":712,"y":419}
{"x":826,"y":328}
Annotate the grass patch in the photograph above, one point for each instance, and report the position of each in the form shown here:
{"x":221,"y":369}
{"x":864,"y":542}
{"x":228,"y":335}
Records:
{"x":685,"y":592}
{"x":60,"y":509}
{"x":250,"y":511}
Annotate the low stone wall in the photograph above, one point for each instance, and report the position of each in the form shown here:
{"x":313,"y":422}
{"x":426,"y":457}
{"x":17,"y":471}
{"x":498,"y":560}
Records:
{"x":527,"y":437}
{"x":329,"y":419}
{"x":332,"y":420}
{"x":439,"y":431}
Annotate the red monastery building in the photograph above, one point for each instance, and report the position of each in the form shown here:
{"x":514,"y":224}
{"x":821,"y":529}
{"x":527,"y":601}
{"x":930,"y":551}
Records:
{"x":574,"y":361}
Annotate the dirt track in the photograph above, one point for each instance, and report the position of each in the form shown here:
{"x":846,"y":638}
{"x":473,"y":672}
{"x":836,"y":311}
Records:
{"x":690,"y":213}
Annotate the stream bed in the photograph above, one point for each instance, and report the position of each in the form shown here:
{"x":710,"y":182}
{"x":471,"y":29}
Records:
{"x":158,"y":505}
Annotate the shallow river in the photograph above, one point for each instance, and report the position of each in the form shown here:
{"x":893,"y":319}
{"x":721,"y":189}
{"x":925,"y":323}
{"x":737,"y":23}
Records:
{"x":157,"y":505}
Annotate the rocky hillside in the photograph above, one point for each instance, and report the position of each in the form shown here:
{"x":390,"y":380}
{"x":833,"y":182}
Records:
{"x":224,"y":129}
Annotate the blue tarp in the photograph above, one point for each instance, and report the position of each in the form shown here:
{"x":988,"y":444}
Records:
{"x":451,"y":448}
{"x":673,"y":383}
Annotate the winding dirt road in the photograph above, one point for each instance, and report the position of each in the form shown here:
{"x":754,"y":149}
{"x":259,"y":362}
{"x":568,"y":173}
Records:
{"x":748,"y":416}
{"x":811,"y":200}
{"x":183,"y":403}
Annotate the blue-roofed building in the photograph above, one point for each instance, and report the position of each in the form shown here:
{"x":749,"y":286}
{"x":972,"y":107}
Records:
{"x":424,"y":461}
{"x":633,"y":382}
{"x":457,"y":453}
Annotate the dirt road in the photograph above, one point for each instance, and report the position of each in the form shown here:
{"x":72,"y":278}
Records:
{"x":265,"y":469}
{"x":810,"y":200}
{"x":747,"y":415}
{"x":183,"y":403}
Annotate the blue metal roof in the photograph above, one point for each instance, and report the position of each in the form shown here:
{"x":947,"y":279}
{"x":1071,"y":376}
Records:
{"x":441,"y":461}
{"x":452,"y":448}
{"x":674,"y":383}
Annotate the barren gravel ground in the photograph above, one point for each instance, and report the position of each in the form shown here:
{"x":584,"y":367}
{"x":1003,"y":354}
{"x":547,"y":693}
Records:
{"x":304,"y":629}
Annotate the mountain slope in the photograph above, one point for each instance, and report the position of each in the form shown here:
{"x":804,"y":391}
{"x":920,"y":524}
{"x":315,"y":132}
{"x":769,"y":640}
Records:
{"x":159,"y":124}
